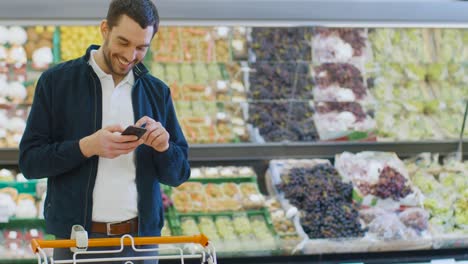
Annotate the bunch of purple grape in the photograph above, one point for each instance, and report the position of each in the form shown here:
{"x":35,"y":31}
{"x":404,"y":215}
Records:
{"x":278,"y":81}
{"x":344,"y":74}
{"x":326,"y":202}
{"x":283,"y":121}
{"x":272,"y":81}
{"x":391,"y":184}
{"x":353,"y":36}
{"x":281,"y":44}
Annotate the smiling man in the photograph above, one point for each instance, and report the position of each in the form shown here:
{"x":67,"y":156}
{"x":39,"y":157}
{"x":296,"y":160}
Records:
{"x":97,"y":177}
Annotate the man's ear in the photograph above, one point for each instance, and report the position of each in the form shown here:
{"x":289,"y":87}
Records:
{"x":104,"y":29}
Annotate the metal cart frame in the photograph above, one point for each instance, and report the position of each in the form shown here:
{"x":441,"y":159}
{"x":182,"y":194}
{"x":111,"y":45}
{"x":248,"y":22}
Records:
{"x":207,"y":255}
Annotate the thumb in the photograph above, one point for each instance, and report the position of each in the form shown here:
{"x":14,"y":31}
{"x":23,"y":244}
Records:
{"x":114,"y":128}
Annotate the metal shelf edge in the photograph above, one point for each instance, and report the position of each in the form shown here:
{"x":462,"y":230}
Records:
{"x":255,"y":151}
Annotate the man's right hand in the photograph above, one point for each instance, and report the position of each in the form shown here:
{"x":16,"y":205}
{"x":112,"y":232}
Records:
{"x":109,"y":143}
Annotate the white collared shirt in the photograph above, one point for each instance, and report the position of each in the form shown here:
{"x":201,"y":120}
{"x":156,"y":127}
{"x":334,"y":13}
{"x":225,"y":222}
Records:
{"x":115,"y":193}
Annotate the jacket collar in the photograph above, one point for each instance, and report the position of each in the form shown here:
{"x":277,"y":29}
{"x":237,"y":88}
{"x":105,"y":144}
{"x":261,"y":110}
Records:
{"x":138,"y":71}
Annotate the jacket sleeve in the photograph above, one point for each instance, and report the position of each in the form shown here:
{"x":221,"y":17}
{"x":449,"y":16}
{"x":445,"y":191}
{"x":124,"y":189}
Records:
{"x":172,"y":165}
{"x":40,"y":156}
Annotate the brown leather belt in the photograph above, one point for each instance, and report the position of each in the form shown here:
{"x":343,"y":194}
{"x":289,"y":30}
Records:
{"x":116,"y":228}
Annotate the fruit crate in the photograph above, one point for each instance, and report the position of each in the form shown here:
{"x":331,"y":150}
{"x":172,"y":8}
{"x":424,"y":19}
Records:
{"x":23,"y":223}
{"x":233,"y":246}
{"x":28,"y":187}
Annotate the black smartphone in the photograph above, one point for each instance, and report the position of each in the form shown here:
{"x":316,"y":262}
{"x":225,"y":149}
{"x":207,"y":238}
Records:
{"x":135,"y":131}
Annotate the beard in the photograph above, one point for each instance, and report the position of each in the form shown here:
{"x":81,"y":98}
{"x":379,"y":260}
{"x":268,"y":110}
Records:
{"x":114,"y":67}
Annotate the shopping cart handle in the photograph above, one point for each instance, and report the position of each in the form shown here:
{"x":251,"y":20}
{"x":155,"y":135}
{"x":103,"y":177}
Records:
{"x":108,"y":242}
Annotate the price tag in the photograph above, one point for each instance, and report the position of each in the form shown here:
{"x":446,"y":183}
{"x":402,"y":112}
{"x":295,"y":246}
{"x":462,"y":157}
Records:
{"x":443,"y":261}
{"x":222,"y":31}
{"x":34,"y":232}
{"x":222,"y":85}
{"x":12,"y":235}
{"x":14,"y":246}
{"x":4,"y":219}
{"x":221,"y":116}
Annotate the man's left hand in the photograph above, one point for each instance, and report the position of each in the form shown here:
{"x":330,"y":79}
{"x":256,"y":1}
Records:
{"x":156,"y":135}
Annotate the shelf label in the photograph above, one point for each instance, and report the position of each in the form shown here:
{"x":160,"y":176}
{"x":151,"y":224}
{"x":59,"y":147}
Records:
{"x":443,"y":261}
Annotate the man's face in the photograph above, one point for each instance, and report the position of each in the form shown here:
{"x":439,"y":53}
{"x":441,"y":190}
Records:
{"x":125,"y":45}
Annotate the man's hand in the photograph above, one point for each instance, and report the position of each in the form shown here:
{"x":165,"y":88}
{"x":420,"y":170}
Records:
{"x":109,"y":143}
{"x":156,"y":135}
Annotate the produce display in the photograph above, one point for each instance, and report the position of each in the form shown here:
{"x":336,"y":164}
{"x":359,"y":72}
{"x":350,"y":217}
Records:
{"x":444,"y":187}
{"x":222,"y":172}
{"x":410,"y":224}
{"x":338,"y":119}
{"x":217,"y":197}
{"x":15,"y":243}
{"x":400,"y":45}
{"x":418,"y":83}
{"x":284,"y":227}
{"x":340,"y":94}
{"x":277,"y":81}
{"x":239,"y":43}
{"x":239,"y":233}
{"x":336,"y":216}
{"x":450,"y":45}
{"x":338,"y":44}
{"x":166,"y":230}
{"x":18,"y":197}
{"x":324,"y":200}
{"x":204,"y":101}
{"x":378,"y":175}
{"x":74,"y":40}
{"x":281,"y":44}
{"x":12,"y":125}
{"x":339,"y":82}
{"x":191,"y":44}
{"x":283,"y":121}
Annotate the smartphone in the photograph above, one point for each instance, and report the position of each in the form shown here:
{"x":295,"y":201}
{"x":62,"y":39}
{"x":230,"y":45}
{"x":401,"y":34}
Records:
{"x":135,"y":131}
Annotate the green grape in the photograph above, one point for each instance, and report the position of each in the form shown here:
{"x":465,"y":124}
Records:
{"x":426,"y":182}
{"x":201,"y":73}
{"x":157,"y":69}
{"x":186,"y":74}
{"x":172,"y":73}
{"x":415,"y":72}
{"x":437,"y":72}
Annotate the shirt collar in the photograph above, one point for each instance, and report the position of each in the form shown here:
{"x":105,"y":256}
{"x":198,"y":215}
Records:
{"x":138,"y":71}
{"x":129,"y":78}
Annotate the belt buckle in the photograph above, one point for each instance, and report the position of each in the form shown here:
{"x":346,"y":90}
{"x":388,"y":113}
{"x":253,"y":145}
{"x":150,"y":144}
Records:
{"x":108,"y":228}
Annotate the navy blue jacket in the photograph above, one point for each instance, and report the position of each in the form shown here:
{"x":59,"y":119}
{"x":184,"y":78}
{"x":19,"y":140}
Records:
{"x":67,"y":107}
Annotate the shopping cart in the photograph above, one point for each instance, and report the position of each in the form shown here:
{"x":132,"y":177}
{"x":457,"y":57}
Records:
{"x":206,"y":255}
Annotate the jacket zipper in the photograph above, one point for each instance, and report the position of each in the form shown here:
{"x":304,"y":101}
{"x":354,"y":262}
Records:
{"x":92,"y":169}
{"x":135,"y":116}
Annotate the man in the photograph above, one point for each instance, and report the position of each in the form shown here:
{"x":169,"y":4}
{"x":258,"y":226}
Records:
{"x":98,"y":178}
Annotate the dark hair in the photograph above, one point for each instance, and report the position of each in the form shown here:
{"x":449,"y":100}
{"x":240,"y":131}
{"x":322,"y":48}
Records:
{"x":143,"y":12}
